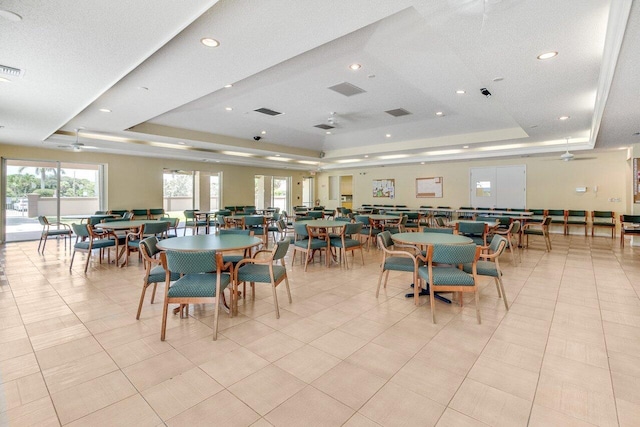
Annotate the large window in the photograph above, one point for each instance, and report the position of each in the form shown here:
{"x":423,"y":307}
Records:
{"x":178,"y":191}
{"x":272,"y":191}
{"x":49,"y":188}
{"x":214,"y":192}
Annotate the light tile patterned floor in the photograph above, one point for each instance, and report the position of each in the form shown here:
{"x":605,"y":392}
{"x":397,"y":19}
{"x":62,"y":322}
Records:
{"x":566,"y":354}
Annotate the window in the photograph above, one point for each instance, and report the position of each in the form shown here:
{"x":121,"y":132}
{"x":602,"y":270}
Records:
{"x":272,"y":191}
{"x":178,"y":191}
{"x":50,"y":188}
{"x":214,"y":192}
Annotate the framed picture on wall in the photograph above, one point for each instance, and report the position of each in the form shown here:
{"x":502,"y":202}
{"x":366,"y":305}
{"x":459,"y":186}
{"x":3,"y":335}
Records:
{"x":429,"y":187}
{"x":384,"y":188}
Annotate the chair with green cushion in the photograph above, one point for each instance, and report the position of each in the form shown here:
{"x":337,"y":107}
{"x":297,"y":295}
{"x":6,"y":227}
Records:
{"x":413,"y":221}
{"x":397,"y":227}
{"x":258,"y":225}
{"x":476,"y":231}
{"x":174,"y":223}
{"x":249,"y":210}
{"x":87,"y":240}
{"x":154,"y":272}
{"x":118,"y":212}
{"x":271,"y":270}
{"x":157,"y":213}
{"x":573,"y":218}
{"x":442,"y":275}
{"x":235,"y":258}
{"x":488,"y":264}
{"x":445,"y":230}
{"x":538,"y":229}
{"x":283,"y":230}
{"x":192,"y":221}
{"x":345,"y":242}
{"x":395,"y":260}
{"x":510,"y":234}
{"x":558,"y":216}
{"x":201,"y":281}
{"x":537,"y":214}
{"x":303,"y":218}
{"x":604,"y":219}
{"x":306,"y":243}
{"x":369,"y":230}
{"x":315,"y":214}
{"x":140,"y":213}
{"x":629,"y":224}
{"x":61,"y":229}
{"x":127,"y":216}
{"x":132,"y":239}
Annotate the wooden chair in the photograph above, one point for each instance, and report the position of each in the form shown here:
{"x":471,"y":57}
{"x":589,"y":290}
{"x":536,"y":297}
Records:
{"x":87,"y":240}
{"x":488,"y":264}
{"x":397,"y":260}
{"x":538,"y":229}
{"x":441,"y":273}
{"x":154,"y":272}
{"x":604,"y":219}
{"x":345,"y":242}
{"x":573,"y":218}
{"x":63,"y":230}
{"x":201,"y":281}
{"x":307,"y":243}
{"x":629,"y":224}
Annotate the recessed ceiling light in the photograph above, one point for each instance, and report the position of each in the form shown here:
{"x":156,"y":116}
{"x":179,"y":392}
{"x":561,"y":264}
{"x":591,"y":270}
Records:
{"x":277,"y":155}
{"x":564,"y":117}
{"x":388,"y":135}
{"x":422,"y":163}
{"x":228,"y":86}
{"x":439,"y":114}
{"x":498,"y":79}
{"x":547,"y":55}
{"x":366,"y":156}
{"x":181,"y":143}
{"x":105,"y":110}
{"x":4,"y":80}
{"x":209,"y":42}
{"x":328,"y":132}
{"x":228,"y":108}
{"x":465,"y":146}
{"x":217,"y":161}
{"x":264,"y":132}
{"x":460,"y":92}
{"x":355,"y":66}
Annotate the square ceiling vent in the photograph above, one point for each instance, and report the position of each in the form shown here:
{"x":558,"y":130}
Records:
{"x":347,"y":89}
{"x":398,"y":112}
{"x":268,"y":112}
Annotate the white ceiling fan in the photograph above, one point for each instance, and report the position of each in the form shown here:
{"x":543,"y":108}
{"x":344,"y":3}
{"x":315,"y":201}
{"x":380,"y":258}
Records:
{"x":76,"y":146}
{"x":567,"y":156}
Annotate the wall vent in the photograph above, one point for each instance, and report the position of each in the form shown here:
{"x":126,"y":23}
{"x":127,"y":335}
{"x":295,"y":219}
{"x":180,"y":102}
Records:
{"x":323,"y":126}
{"x":268,"y":112}
{"x":398,"y":112}
{"x":10,"y":71}
{"x":347,"y":89}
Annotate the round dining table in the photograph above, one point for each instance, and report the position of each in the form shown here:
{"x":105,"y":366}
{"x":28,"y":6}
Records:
{"x":318,"y":224}
{"x":209,"y":242}
{"x":83,"y":217}
{"x":423,"y":239}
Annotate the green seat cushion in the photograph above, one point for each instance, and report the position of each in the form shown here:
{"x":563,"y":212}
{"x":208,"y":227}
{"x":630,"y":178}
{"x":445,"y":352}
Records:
{"x":315,"y":243}
{"x":536,"y":232}
{"x":97,"y":244}
{"x":445,"y":276}
{"x":158,"y":274}
{"x":260,"y":273}
{"x":58,"y":232}
{"x":232,"y":258}
{"x":483,"y":268}
{"x":198,"y":285}
{"x":348,"y":243}
{"x":399,"y":263}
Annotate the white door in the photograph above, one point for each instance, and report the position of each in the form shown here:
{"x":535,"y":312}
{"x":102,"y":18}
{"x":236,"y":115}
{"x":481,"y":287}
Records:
{"x":498,"y":187}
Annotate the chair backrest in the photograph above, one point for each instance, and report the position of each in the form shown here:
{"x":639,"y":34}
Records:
{"x":455,"y":254}
{"x":235,"y":231}
{"x":127,"y":216}
{"x":191,"y":262}
{"x":43,"y":220}
{"x":254,"y":221}
{"x":156,"y":227}
{"x":555,"y":212}
{"x":282,"y":225}
{"x":173,"y":222}
{"x":515,"y":227}
{"x":437,"y":230}
{"x":300,"y":229}
{"x":150,"y":246}
{"x":352,"y":228}
{"x":603,"y":215}
{"x":362,"y":218}
{"x":156,"y":212}
{"x":471,"y":227}
{"x":630,"y":218}
{"x":119,"y":212}
{"x":100,"y":213}
{"x":440,"y":221}
{"x":304,"y":218}
{"x":280,"y":249}
{"x":249,"y":210}
{"x":497,"y":245}
{"x":546,"y":221}
{"x":189,"y":214}
{"x":582,"y":214}
{"x":140,"y":213}
{"x":93,"y":220}
{"x":315,"y":214}
{"x":384,"y":240}
{"x":537,"y":211}
{"x":343,"y":219}
{"x":80,"y":230}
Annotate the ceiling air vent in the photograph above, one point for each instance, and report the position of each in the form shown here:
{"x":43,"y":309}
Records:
{"x":347,"y":89}
{"x":268,"y":112}
{"x":323,"y":126}
{"x":10,"y":71}
{"x":398,"y":112}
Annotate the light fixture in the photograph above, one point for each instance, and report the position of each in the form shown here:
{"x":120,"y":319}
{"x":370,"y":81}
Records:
{"x":277,"y":155}
{"x":498,"y":79}
{"x":465,"y":146}
{"x":355,"y":67}
{"x":264,"y":132}
{"x":181,"y":143}
{"x":422,"y":163}
{"x":228,"y":86}
{"x":388,"y":135}
{"x":460,"y":92}
{"x":104,"y":110}
{"x":228,"y":108}
{"x":547,"y":55}
{"x":143,"y":88}
{"x":439,"y":114}
{"x":564,"y":117}
{"x":328,"y":132}
{"x":209,"y":42}
{"x":366,"y":156}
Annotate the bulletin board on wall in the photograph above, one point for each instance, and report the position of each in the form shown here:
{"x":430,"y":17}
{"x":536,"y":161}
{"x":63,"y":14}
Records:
{"x":384,"y":188}
{"x":429,"y":187}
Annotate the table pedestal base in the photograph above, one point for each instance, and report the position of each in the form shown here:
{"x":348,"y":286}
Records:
{"x":424,"y":292}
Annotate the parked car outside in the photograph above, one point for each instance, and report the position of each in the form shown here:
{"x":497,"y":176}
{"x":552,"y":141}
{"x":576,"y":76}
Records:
{"x":21,"y":205}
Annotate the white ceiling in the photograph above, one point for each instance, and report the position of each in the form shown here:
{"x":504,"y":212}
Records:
{"x":144,"y":61}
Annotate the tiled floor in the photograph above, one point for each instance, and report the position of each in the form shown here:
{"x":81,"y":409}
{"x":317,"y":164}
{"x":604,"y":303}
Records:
{"x":566,"y":354}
